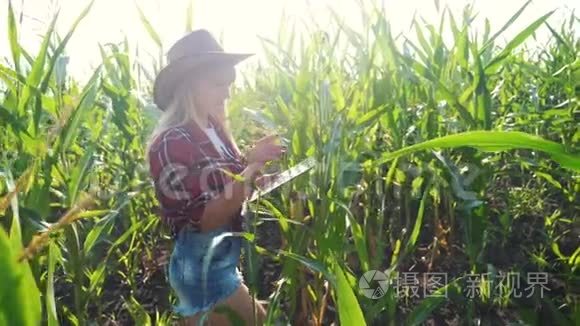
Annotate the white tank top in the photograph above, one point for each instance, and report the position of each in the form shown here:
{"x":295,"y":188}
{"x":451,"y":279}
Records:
{"x":216,"y":140}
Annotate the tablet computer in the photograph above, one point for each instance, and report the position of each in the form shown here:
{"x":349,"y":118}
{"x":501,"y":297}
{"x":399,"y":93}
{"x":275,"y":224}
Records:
{"x":284,"y":177}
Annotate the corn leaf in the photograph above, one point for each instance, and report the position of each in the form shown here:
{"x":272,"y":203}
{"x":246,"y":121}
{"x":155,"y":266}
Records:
{"x":495,"y":63}
{"x":426,"y":307}
{"x":19,"y":296}
{"x":150,"y":30}
{"x":53,"y":257}
{"x":13,"y":37}
{"x":349,"y":310}
{"x":513,"y":18}
{"x":189,"y":17}
{"x":494,"y":141}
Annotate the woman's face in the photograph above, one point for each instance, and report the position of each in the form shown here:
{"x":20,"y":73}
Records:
{"x":212,"y":89}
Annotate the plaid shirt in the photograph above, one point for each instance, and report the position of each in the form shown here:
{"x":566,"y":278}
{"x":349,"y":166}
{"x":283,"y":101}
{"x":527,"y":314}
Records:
{"x":187,"y":172}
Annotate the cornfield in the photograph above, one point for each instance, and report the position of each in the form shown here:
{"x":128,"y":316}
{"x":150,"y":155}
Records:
{"x":447,"y":166}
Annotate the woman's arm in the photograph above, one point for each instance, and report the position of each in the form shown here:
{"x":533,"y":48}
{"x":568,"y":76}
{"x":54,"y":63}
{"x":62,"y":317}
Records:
{"x":185,"y":192}
{"x":220,"y":210}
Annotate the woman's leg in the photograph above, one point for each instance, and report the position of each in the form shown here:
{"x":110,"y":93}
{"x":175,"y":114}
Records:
{"x":241,"y":303}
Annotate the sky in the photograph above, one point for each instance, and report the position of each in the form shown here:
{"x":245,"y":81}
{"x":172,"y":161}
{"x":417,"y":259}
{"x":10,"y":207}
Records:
{"x":239,"y":22}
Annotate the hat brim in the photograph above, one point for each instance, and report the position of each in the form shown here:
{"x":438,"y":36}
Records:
{"x":173,"y":73}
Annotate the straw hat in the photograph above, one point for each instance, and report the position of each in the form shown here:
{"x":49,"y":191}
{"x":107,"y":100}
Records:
{"x":196,"y":49}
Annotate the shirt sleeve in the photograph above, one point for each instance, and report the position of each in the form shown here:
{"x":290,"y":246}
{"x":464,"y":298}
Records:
{"x":185,"y":179}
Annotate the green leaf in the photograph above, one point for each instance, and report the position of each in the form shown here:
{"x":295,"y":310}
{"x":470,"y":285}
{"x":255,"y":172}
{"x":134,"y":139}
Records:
{"x":74,"y":123}
{"x":189,"y":17}
{"x":560,"y":39}
{"x":349,"y":310}
{"x":56,"y":55}
{"x":418,"y":222}
{"x":422,"y":311}
{"x":359,"y":237}
{"x":482,"y":95}
{"x":548,"y":178}
{"x":13,"y":37}
{"x":81,"y":172}
{"x":556,"y":250}
{"x":457,"y":181}
{"x":312,"y":264}
{"x":574,"y":259}
{"x":133,"y":229}
{"x":494,"y":141}
{"x":94,"y":235}
{"x":462,"y":49}
{"x":106,"y":224}
{"x":150,"y":30}
{"x":427,"y":48}
{"x":35,"y":75}
{"x":515,"y":42}
{"x":19,"y":296}
{"x":489,"y":42}
{"x":97,"y":277}
{"x":371,"y":116}
{"x":280,"y":218}
{"x":15,"y":227}
{"x":138,"y":313}
{"x":12,"y":121}
{"x":53,"y":257}
{"x":440,"y":86}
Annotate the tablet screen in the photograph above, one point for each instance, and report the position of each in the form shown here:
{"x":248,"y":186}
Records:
{"x":284,"y":177}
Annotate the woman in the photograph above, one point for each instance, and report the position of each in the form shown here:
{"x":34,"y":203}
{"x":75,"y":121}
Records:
{"x":193,"y":159}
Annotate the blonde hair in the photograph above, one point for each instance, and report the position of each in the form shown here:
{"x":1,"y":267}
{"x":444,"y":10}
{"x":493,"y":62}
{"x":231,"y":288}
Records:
{"x":182,"y":110}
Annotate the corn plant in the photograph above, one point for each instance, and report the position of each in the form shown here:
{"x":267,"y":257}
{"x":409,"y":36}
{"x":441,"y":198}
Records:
{"x":453,"y":155}
{"x":77,"y":150}
{"x":390,"y":123}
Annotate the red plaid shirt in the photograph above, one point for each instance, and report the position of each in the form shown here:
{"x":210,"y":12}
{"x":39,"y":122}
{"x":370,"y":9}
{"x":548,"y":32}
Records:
{"x":187,"y":172}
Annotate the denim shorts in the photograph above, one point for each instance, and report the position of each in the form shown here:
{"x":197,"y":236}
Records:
{"x":198,"y":291}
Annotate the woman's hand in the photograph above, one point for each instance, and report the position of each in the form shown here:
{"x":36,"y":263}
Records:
{"x":268,"y":148}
